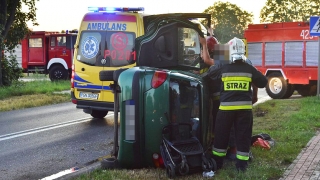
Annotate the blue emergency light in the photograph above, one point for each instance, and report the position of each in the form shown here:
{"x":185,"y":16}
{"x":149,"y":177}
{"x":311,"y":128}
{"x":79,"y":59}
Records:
{"x":71,"y":31}
{"x":112,"y":9}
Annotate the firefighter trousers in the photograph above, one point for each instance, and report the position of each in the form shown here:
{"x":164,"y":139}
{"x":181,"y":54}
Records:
{"x":242,"y":121}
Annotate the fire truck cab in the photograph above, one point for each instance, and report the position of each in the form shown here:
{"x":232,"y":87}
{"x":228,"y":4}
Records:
{"x":287,"y":55}
{"x":46,"y":53}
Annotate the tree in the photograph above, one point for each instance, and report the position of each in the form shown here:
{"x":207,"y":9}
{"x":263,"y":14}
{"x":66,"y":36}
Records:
{"x":13,"y":24}
{"x":289,"y":10}
{"x":229,"y":20}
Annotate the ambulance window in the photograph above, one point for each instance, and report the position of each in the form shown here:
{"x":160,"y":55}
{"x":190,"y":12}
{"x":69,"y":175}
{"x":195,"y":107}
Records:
{"x":53,"y":41}
{"x":35,"y":42}
{"x":120,"y":48}
{"x":90,"y":48}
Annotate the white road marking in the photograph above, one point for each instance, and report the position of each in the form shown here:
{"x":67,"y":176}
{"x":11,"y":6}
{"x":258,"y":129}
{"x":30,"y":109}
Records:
{"x":45,"y":128}
{"x":61,"y":173}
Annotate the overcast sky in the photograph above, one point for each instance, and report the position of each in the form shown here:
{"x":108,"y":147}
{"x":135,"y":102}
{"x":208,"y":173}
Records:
{"x":57,"y":15}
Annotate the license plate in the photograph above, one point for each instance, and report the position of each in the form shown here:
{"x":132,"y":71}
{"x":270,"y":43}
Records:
{"x":88,"y":95}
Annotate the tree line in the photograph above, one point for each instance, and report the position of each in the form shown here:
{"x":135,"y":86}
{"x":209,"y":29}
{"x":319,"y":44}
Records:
{"x":228,"y":21}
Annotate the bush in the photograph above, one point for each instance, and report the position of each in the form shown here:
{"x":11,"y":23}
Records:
{"x":10,"y":69}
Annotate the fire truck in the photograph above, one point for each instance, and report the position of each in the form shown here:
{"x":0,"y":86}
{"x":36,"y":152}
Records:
{"x":287,"y":55}
{"x":47,"y":53}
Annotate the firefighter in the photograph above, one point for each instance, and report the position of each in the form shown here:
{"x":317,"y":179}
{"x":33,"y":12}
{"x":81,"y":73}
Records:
{"x":235,"y":104}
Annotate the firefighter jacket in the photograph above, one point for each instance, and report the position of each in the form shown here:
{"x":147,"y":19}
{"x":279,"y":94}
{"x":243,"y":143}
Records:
{"x":235,"y":88}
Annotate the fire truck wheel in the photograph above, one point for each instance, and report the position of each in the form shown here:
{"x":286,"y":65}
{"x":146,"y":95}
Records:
{"x":98,"y":114}
{"x":277,"y":86}
{"x":58,"y":73}
{"x":289,"y":92}
{"x":307,"y":90}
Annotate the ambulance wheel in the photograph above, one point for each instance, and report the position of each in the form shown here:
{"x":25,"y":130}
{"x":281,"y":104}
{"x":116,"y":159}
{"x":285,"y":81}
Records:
{"x":109,"y":163}
{"x":98,"y":114}
{"x":183,"y":168}
{"x":58,"y":72}
{"x":277,"y":86}
{"x":170,"y":171}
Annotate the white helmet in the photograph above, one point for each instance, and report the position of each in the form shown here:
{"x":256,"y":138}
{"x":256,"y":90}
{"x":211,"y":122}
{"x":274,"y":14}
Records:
{"x":236,"y":49}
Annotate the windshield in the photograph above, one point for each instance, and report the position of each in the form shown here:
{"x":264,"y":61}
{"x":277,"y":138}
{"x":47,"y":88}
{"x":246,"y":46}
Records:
{"x":111,"y":49}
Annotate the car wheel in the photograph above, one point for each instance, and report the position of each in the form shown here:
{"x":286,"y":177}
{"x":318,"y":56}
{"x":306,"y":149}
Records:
{"x":109,"y":163}
{"x":58,"y":73}
{"x":98,"y":114}
{"x":277,"y":86}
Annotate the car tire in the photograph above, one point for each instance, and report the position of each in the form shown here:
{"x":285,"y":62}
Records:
{"x":98,"y":114}
{"x":109,"y":163}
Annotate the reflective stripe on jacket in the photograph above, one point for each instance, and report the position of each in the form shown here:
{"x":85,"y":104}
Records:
{"x":235,"y":89}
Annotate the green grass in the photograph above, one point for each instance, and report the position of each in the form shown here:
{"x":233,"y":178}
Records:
{"x":291,"y":123}
{"x":32,"y":94}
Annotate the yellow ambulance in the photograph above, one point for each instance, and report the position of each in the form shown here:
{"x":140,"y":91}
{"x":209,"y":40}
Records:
{"x":105,"y":42}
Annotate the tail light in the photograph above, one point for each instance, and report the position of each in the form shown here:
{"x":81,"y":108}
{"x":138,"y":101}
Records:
{"x":158,"y":78}
{"x":157,"y":160}
{"x":72,"y":77}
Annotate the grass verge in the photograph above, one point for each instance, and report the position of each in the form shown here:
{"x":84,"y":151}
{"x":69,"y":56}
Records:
{"x":32,"y":94}
{"x":291,"y":123}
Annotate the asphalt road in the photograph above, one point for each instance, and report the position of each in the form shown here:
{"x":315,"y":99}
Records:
{"x":38,"y":142}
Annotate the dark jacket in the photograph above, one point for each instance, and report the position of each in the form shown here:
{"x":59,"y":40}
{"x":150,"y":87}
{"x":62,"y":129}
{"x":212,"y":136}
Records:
{"x":235,"y":80}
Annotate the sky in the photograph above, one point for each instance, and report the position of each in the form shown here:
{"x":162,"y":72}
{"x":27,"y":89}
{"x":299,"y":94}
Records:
{"x":57,"y":15}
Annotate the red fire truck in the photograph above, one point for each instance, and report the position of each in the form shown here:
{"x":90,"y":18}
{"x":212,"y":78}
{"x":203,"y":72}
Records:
{"x":47,"y":53}
{"x":287,"y":55}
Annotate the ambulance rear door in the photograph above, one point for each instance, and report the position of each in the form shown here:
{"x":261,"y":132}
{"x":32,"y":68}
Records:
{"x":105,"y":43}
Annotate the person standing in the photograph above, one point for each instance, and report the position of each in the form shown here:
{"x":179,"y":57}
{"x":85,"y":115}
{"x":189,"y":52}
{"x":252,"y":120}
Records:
{"x":235,"y":104}
{"x":213,"y":86}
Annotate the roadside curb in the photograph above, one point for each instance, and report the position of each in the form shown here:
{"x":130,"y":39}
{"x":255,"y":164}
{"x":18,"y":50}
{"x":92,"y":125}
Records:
{"x":62,"y":92}
{"x":262,"y":100}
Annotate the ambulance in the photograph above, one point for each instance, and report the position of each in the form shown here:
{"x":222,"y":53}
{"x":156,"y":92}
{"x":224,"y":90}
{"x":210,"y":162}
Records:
{"x":105,"y":42}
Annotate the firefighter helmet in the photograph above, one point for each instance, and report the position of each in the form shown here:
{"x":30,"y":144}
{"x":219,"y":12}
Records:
{"x":211,"y":41}
{"x":237,"y":49}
